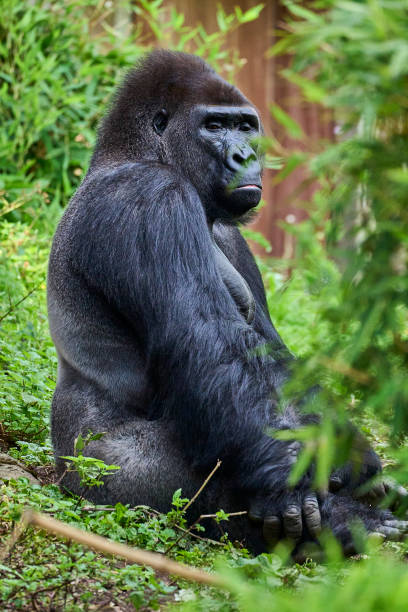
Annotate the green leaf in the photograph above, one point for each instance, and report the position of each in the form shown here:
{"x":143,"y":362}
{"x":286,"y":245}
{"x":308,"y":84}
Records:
{"x":291,"y":126}
{"x":29,"y":399}
{"x":399,"y":62}
{"x":256,"y":237}
{"x":79,"y":444}
{"x":251,"y":14}
{"x":311,"y":90}
{"x":303,"y":462}
{"x":304,"y":13}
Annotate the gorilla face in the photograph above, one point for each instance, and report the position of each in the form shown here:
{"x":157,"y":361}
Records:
{"x":220,"y":158}
{"x":227,"y":134}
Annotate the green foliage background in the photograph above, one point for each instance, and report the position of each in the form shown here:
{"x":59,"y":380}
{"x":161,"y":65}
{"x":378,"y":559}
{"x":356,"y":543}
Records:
{"x":342,"y":309}
{"x":351,"y":60}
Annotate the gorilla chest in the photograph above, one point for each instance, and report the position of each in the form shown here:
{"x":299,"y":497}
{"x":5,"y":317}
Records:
{"x":236,"y":284}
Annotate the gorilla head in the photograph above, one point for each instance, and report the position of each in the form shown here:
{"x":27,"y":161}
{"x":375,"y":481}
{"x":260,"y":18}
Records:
{"x":175,"y":109}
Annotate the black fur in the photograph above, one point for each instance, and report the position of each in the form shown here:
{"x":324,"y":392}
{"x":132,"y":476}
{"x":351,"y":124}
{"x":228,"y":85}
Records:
{"x":153,"y":339}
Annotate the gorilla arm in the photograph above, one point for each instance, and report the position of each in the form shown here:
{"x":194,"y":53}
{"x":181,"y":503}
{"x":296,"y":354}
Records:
{"x":146,"y":246}
{"x":364,"y":464}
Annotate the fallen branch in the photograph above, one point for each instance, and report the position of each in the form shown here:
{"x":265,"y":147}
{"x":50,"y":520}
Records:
{"x":154,"y":560}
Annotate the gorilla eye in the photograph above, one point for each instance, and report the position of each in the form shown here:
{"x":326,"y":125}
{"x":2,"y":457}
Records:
{"x":160,"y":121}
{"x":244,"y":127}
{"x":213,"y":126}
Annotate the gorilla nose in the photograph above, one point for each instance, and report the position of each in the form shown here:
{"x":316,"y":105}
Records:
{"x":240,"y":158}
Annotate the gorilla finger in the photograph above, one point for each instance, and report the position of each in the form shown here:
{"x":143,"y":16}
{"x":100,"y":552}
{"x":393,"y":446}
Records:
{"x":390,"y":532}
{"x":311,"y":513}
{"x":401,"y":525}
{"x":335,"y":483}
{"x":272,"y":529}
{"x":292,"y":522}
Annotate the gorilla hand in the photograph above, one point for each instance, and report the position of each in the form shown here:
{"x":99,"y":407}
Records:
{"x":286,"y":515}
{"x":286,"y":512}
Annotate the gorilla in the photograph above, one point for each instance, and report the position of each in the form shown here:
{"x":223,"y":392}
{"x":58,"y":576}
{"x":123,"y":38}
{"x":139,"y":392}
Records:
{"x":159,"y":317}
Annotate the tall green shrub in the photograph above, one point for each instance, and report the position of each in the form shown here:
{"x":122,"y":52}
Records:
{"x":352,"y":58}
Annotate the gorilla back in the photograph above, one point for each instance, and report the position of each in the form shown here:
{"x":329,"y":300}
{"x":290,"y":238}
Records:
{"x":157,"y":311}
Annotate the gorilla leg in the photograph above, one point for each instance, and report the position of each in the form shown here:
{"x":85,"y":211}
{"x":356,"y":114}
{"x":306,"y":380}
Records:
{"x":152,"y":466}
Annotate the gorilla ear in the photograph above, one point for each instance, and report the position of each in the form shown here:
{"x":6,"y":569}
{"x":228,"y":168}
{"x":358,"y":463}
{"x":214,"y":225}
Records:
{"x":160,"y":121}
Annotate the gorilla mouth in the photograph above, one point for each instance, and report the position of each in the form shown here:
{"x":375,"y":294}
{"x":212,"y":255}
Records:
{"x":245,"y":196}
{"x":249,"y":186}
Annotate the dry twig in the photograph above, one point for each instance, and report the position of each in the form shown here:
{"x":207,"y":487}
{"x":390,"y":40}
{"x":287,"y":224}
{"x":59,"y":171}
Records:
{"x":206,"y":481}
{"x":14,"y":306}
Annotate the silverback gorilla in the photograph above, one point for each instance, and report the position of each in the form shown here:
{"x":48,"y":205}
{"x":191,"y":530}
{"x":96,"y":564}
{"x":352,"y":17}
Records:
{"x":158,"y":311}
